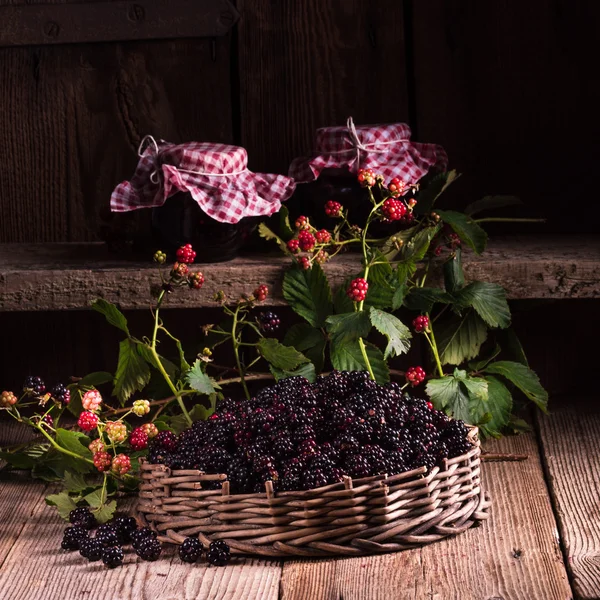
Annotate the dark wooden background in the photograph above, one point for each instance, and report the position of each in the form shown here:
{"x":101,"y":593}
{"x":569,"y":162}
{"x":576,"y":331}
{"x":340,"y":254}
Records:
{"x":509,"y":88}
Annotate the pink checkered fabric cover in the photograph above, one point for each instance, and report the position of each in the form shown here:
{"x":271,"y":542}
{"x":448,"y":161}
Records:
{"x":216,"y":176}
{"x":387,"y":149}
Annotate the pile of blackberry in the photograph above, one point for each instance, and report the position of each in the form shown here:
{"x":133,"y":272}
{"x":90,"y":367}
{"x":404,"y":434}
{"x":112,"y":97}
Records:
{"x":301,"y":435}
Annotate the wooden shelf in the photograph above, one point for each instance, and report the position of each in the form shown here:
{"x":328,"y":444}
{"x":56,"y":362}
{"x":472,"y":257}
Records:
{"x":69,"y":276}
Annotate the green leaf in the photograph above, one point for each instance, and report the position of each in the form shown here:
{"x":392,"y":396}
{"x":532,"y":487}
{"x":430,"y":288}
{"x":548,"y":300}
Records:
{"x":308,"y":293}
{"x":348,"y":357}
{"x":491,"y":202}
{"x":430,"y":193}
{"x":468,"y":231}
{"x":488,"y":300}
{"x":382,"y":283}
{"x":268,"y":234}
{"x":518,"y":425}
{"x":63,"y":502}
{"x":399,"y":296}
{"x":460,"y":339}
{"x":184,"y":365}
{"x":454,"y":277}
{"x":415,"y":249}
{"x":341,"y":302}
{"x":524,"y":378}
{"x":508,"y":339}
{"x":309,"y":341}
{"x":396,"y":332}
{"x":198,"y":380}
{"x":404,"y":271}
{"x":477,"y":388}
{"x":75,"y":407}
{"x":499,"y":406}
{"x":177,"y":423}
{"x":307,"y":371}
{"x":481,"y":364}
{"x":105,"y":512}
{"x":75,"y":482}
{"x":389,"y":248}
{"x":146,"y":353}
{"x":26,"y":458}
{"x":133,"y":372}
{"x":448,"y":394}
{"x":348,"y":327}
{"x":112,"y":314}
{"x":280,"y":356}
{"x":422,"y":299}
{"x":285,"y":229}
{"x":75,"y":441}
{"x":95,"y":379}
{"x":95,"y":498}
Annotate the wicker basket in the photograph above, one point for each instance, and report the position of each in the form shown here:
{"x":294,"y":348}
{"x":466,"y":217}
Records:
{"x":355,"y":517}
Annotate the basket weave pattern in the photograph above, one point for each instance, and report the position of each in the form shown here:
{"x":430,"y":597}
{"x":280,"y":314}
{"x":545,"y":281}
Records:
{"x":354,"y":517}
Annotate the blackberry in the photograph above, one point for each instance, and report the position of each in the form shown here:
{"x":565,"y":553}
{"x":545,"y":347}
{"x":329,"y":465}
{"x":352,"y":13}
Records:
{"x":82,"y":517}
{"x":283,"y":447}
{"x":112,"y":557}
{"x":361,"y":430}
{"x":261,"y":420}
{"x":262,"y":463}
{"x":166,"y":440}
{"x":91,"y":549}
{"x":148,"y":549}
{"x":72,"y":537}
{"x":140,"y":535}
{"x":214,"y":459}
{"x":240,"y":476}
{"x":356,"y":466}
{"x":125,"y":526}
{"x":218,"y":553}
{"x":269,"y":322}
{"x":346,"y":443}
{"x":107,"y":536}
{"x":375,"y":457}
{"x":191,"y":550}
{"x":61,"y":393}
{"x":34,"y":386}
{"x":314,"y":478}
{"x":389,"y":438}
{"x":395,"y":463}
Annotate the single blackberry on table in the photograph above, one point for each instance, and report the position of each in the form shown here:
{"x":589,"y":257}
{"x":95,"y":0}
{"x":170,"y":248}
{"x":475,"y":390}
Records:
{"x":125,"y":526}
{"x":218,"y":553}
{"x":107,"y":536}
{"x":91,"y":549}
{"x":148,"y":549}
{"x":112,"y":557}
{"x":61,"y":393}
{"x":269,"y":322}
{"x":82,"y":517}
{"x":34,"y":386}
{"x":191,"y":550}
{"x":140,"y":535}
{"x":72,"y":537}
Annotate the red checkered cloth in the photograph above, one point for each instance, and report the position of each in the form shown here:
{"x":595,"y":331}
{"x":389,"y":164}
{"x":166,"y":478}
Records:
{"x":216,"y":176}
{"x":386,"y":149}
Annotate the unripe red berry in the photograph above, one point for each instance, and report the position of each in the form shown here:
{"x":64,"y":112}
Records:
{"x":421,"y":323}
{"x":91,"y":400}
{"x":196,"y":280}
{"x":138,"y":439}
{"x":150,"y":429}
{"x":102,"y":461}
{"x":121,"y":464}
{"x":261,"y":293}
{"x":430,"y":406}
{"x":358,"y":289}
{"x":186,"y":254}
{"x":366,"y":177}
{"x":393,"y":209}
{"x":116,"y":431}
{"x":88,"y":421}
{"x":304,"y":263}
{"x":302,"y":223}
{"x":323,"y":236}
{"x":306,"y":240}
{"x":180,"y":269}
{"x":293,"y":246}
{"x":415,"y":376}
{"x":321,"y":257}
{"x":396,"y":186}
{"x":7,"y":399}
{"x":96,"y":446}
{"x":333,"y":209}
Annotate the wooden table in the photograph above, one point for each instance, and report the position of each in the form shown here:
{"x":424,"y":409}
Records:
{"x":541,"y":542}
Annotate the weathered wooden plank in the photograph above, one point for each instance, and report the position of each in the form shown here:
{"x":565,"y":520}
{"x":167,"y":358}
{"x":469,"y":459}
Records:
{"x":308,"y":64}
{"x":485,"y":77}
{"x":37,"y":569}
{"x":569,"y":439}
{"x":24,"y":25}
{"x":513,"y":555}
{"x":62,"y":276}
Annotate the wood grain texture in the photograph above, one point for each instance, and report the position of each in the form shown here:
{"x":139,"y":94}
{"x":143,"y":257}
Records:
{"x":57,"y":277}
{"x":36,"y":569}
{"x":308,"y":64}
{"x":71,"y":119}
{"x":569,"y":438}
{"x":487,"y":88}
{"x":514,"y":555}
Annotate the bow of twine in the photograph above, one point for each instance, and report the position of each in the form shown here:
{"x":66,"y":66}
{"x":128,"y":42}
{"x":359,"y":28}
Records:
{"x":155,"y":174}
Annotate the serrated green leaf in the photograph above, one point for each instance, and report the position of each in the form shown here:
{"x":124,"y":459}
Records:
{"x":508,"y":339}
{"x":183,"y":363}
{"x":112,"y":314}
{"x":63,"y":502}
{"x":26,"y":458}
{"x":75,"y":406}
{"x":396,"y":332}
{"x":399,"y":296}
{"x":404,"y":271}
{"x":105,"y":512}
{"x":95,"y":379}
{"x":348,"y":357}
{"x":341,"y":302}
{"x":308,"y":293}
{"x":280,"y":356}
{"x":96,"y":498}
{"x":480,"y":364}
{"x":433,"y":190}
{"x":348,"y":326}
{"x":198,"y":380}
{"x":423,"y":299}
{"x":285,"y":229}
{"x":416,"y":247}
{"x":382,"y":283}
{"x":499,"y":406}
{"x":75,"y":441}
{"x":518,"y":425}
{"x":389,"y":248}
{"x":309,"y":341}
{"x":449,"y":395}
{"x":75,"y":482}
{"x":268,"y":234}
{"x":459,"y":339}
{"x":490,"y":203}
{"x":468,"y":231}
{"x":477,"y":388}
{"x":524,"y":378}
{"x":454,"y":277}
{"x":133,"y":373}
{"x":488,"y":300}
{"x":307,"y":371}
{"x":146,"y":353}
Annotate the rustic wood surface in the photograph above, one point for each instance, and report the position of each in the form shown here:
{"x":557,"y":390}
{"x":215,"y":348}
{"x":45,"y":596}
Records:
{"x":63,"y":276}
{"x":513,"y":555}
{"x":569,"y":440}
